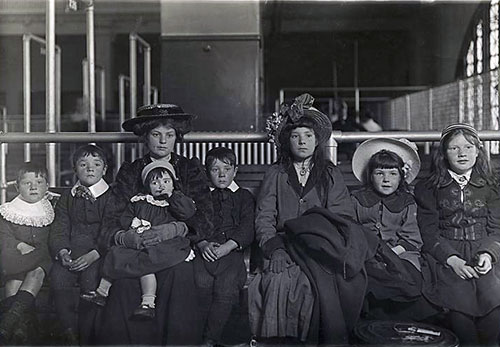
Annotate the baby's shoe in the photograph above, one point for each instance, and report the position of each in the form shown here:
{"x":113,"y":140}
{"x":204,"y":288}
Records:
{"x":144,"y":312}
{"x":94,"y":297}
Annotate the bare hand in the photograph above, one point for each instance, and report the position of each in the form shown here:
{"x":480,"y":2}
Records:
{"x":279,"y":261}
{"x":483,"y":264}
{"x":225,"y":248}
{"x":84,"y":261}
{"x":463,"y":271}
{"x":208,"y":250}
{"x":66,"y":260}
{"x":24,"y":248}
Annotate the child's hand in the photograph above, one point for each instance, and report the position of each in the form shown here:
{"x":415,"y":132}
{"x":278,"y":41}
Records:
{"x":225,"y":248}
{"x":24,"y":248}
{"x":208,"y":250}
{"x":463,"y":271}
{"x":483,"y":264}
{"x":84,"y":261}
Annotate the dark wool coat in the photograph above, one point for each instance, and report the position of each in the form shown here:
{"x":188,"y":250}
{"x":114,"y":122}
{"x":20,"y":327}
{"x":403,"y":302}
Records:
{"x":452,"y":227}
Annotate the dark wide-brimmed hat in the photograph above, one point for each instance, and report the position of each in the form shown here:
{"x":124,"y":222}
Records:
{"x":300,"y":108}
{"x":180,"y":119}
{"x":406,"y":150}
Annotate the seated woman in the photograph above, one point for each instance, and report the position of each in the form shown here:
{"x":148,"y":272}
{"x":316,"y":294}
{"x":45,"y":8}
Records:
{"x":304,"y":215}
{"x":177,"y":322}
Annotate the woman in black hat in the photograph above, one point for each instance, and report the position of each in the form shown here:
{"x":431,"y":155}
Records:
{"x":160,"y":127}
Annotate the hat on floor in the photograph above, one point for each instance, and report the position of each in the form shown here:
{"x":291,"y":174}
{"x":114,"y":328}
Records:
{"x":175,"y":114}
{"x":405,"y":149}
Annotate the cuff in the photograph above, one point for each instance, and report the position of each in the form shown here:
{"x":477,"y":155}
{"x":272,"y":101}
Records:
{"x":271,"y":245}
{"x":407,"y":246}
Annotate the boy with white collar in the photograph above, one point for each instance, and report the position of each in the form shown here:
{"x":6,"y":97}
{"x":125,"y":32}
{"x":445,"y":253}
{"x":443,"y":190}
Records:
{"x":220,"y":270}
{"x":74,"y":235}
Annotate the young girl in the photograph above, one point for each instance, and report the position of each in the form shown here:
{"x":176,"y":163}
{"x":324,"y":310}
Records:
{"x":459,"y":217}
{"x":160,"y":205}
{"x":24,"y":255}
{"x":386,"y":209}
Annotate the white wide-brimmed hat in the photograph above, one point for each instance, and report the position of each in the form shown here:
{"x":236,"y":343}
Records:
{"x":405,"y":149}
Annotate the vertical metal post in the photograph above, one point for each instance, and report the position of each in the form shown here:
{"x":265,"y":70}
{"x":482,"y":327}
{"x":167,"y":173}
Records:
{"x":58,"y":114}
{"x":408,"y":112}
{"x":282,"y":98}
{"x":51,"y":86}
{"x":431,"y":122}
{"x":155,"y":94}
{"x":133,"y":83}
{"x":3,"y":161}
{"x":27,"y":92}
{"x":91,"y":64}
{"x":102,"y":74}
{"x":147,"y":76}
{"x":120,"y":157}
{"x":85,"y":80}
{"x":331,"y":149}
{"x":356,"y":88}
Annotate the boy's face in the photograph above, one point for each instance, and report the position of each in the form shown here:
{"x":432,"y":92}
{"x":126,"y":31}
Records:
{"x":162,"y":185}
{"x":222,"y":174}
{"x":386,"y":181}
{"x":32,"y":187}
{"x":90,"y":169}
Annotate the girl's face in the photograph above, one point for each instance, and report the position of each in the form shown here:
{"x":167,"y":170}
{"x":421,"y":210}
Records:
{"x":461,"y":154}
{"x":161,"y":185}
{"x":386,"y":181}
{"x":32,"y":187}
{"x":161,"y":141}
{"x":302,"y":143}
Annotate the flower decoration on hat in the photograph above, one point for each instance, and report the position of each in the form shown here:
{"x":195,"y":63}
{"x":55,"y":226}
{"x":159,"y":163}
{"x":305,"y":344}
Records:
{"x":289,"y":114}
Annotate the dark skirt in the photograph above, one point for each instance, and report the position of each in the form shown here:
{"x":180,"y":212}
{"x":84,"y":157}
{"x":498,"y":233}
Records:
{"x":121,"y":262}
{"x":177,"y":320}
{"x":474,"y":297}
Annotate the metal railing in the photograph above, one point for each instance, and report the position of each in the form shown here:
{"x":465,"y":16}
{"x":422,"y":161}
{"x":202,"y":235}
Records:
{"x":251,"y":148}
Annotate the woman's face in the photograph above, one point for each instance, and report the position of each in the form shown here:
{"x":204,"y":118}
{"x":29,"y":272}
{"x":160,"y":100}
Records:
{"x":302,"y":143}
{"x":386,"y":181}
{"x":161,"y":141}
{"x":461,"y":154}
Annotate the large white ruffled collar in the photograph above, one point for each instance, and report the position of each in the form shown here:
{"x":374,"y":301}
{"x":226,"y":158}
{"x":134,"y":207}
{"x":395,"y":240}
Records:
{"x":149,"y":199}
{"x":18,"y":211}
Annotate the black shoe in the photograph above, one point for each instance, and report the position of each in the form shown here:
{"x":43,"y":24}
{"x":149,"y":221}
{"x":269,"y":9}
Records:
{"x":94,"y":298}
{"x":144,"y":312}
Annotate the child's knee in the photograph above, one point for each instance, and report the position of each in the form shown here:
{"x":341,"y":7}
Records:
{"x":37,"y":275}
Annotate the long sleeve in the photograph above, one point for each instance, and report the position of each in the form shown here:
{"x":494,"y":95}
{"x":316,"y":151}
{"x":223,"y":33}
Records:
{"x":182,"y":207}
{"x":266,"y":213}
{"x":60,"y":229}
{"x":244,"y":234}
{"x":491,"y":244}
{"x":409,"y":236}
{"x":339,"y":200}
{"x":428,"y":222}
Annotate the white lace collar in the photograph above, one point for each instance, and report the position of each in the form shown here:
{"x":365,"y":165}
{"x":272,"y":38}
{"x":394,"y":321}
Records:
{"x":18,"y":211}
{"x":97,"y":189}
{"x":149,"y":199}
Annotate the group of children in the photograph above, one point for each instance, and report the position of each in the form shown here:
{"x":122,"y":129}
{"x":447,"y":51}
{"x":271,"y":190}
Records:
{"x":439,"y":245}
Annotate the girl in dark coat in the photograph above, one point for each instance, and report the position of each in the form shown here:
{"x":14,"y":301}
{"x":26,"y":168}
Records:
{"x":177,"y":319}
{"x":160,"y":205}
{"x":387,"y":210}
{"x":459,"y":218}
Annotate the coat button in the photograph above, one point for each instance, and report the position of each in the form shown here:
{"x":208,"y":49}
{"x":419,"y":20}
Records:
{"x":301,"y":201}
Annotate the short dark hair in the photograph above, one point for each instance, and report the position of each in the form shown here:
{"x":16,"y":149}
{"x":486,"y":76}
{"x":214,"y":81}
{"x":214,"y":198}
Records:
{"x":385,"y":159}
{"x":223,"y":154}
{"x":88,"y":150}
{"x":37,"y":169}
{"x":157,"y":173}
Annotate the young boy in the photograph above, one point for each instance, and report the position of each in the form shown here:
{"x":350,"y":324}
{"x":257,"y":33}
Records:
{"x":24,"y":256}
{"x":220,"y":270}
{"x":74,"y":235}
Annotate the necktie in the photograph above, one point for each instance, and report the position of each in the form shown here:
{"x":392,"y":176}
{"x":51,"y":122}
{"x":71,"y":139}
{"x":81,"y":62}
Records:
{"x":85,"y":193}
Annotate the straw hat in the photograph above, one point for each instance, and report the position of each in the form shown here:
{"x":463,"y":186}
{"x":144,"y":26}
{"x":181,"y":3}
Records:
{"x":405,"y":149}
{"x":180,"y":119}
{"x":289,"y":114}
